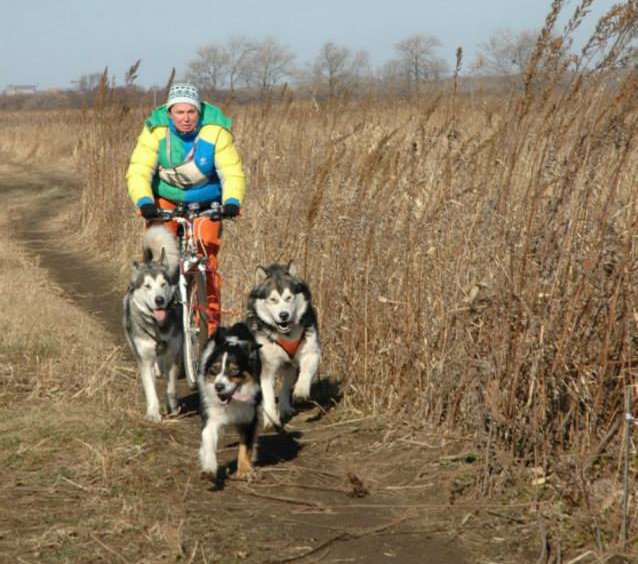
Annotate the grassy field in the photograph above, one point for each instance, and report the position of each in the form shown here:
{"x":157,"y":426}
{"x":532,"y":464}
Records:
{"x":472,"y":255}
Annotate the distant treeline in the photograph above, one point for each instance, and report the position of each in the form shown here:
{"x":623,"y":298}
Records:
{"x":141,"y":97}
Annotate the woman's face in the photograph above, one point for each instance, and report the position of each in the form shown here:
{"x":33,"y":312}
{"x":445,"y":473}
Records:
{"x":184,"y":116}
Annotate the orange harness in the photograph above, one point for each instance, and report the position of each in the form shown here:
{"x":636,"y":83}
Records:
{"x":290,"y":346}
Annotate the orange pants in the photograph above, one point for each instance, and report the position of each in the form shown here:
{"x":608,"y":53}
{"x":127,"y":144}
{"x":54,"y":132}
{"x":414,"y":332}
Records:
{"x":208,"y":236}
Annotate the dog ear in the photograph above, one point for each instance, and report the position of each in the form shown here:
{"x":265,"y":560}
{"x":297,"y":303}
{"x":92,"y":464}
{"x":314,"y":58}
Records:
{"x":207,"y":354}
{"x":219,"y":335}
{"x":261,"y":274}
{"x":215,"y":340}
{"x":242,"y":331}
{"x":135,"y":269}
{"x":148,"y":256}
{"x":292,"y":269}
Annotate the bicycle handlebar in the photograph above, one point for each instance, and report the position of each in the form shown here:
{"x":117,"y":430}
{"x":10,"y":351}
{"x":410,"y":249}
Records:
{"x":215,"y":212}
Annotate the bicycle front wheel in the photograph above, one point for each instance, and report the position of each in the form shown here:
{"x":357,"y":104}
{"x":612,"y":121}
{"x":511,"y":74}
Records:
{"x":195,"y":326}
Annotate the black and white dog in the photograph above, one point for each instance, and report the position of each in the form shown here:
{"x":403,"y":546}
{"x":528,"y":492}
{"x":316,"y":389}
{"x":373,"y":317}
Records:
{"x":284,"y":322}
{"x":230,"y":395}
{"x":152,"y":320}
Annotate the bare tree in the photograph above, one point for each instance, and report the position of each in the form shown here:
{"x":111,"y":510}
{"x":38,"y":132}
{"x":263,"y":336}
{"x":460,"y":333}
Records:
{"x":239,"y":50}
{"x":340,"y":68}
{"x":222,"y":65}
{"x":418,"y":59}
{"x":507,"y":52}
{"x":210,"y":68}
{"x":269,"y":63}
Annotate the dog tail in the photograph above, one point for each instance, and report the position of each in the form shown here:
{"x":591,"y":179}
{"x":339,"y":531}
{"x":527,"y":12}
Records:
{"x":160,"y":245}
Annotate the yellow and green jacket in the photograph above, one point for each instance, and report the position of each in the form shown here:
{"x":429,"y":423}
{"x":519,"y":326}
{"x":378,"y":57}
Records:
{"x":202,"y":166}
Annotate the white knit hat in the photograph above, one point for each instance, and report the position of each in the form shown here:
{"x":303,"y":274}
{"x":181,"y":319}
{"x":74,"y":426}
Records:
{"x":183,"y":92}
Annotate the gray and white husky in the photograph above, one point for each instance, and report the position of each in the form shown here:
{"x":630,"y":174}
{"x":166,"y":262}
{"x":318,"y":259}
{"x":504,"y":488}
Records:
{"x":153,"y":319}
{"x":284,"y":322}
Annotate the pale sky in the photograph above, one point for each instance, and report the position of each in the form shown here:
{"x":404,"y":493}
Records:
{"x":51,"y":42}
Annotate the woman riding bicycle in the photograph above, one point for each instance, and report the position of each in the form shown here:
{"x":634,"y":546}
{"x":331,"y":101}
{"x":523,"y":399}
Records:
{"x":185,"y":154}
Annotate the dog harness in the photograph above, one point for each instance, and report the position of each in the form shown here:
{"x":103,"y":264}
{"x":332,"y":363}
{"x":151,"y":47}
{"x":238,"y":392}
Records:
{"x":290,"y":347}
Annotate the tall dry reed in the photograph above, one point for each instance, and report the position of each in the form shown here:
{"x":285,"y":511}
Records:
{"x":471,"y":256}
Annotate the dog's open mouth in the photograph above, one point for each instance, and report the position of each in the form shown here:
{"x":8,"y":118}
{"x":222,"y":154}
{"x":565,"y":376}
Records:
{"x":159,"y":315}
{"x":283,"y":326}
{"x":225,"y":397}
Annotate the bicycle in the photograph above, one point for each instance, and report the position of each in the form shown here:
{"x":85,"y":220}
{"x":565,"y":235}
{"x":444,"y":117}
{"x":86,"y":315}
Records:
{"x":192,"y":282}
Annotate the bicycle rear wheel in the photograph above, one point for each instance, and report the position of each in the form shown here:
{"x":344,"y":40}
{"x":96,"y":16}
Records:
{"x":195,"y":327}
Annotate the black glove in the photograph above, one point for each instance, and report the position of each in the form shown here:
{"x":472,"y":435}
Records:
{"x":231,"y":210}
{"x":149,"y":211}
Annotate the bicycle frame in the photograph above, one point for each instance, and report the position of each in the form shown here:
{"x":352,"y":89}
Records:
{"x":189,"y":260}
{"x":191,"y":267}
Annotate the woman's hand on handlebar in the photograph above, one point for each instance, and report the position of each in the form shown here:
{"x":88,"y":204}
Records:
{"x":230,"y":210}
{"x":149,"y":211}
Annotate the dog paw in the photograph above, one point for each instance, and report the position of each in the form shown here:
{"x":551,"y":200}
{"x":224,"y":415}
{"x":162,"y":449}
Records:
{"x":208,"y":475}
{"x":170,"y":415}
{"x":153,"y":416}
{"x":301,"y":393}
{"x":271,"y":422}
{"x":172,"y":408}
{"x":248,"y":475}
{"x":286,"y":411}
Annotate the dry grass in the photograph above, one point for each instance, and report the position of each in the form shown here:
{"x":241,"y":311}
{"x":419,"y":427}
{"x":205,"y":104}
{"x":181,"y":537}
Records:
{"x":73,"y":447}
{"x":39,"y":135}
{"x":472,"y":257}
{"x":38,"y":362}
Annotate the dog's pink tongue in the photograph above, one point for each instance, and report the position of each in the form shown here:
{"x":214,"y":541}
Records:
{"x":159,"y":315}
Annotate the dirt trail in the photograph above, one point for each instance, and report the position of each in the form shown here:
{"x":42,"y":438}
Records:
{"x":84,"y":281}
{"x":337,"y":487}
